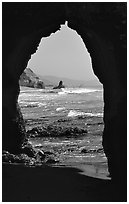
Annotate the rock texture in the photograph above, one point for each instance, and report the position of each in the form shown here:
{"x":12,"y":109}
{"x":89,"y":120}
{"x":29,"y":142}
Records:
{"x":102,"y":26}
{"x":56,"y":131}
{"x":30,"y":79}
{"x":60,"y":85}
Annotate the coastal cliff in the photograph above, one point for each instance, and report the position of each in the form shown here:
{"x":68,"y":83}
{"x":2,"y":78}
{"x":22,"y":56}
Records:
{"x":29,"y":79}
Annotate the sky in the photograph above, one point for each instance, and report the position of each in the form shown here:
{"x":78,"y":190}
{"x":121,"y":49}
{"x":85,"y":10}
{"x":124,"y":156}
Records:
{"x":62,"y":54}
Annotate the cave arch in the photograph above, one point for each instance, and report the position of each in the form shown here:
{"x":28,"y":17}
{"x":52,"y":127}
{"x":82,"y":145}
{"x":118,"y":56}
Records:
{"x":106,"y":44}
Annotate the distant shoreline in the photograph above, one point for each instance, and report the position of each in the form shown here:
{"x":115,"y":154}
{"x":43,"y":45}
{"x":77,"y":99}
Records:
{"x":51,"y":87}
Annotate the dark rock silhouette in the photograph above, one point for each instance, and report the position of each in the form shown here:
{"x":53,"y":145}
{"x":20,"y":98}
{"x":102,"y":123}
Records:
{"x":56,"y":131}
{"x":29,"y":79}
{"x":102,"y":27}
{"x":59,"y":86}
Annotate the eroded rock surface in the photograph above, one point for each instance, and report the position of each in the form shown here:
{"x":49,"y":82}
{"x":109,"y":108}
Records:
{"x":29,"y":79}
{"x":56,"y":131}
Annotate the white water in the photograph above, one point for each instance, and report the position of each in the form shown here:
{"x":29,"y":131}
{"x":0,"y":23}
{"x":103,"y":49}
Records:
{"x":73,"y":113}
{"x":76,"y":90}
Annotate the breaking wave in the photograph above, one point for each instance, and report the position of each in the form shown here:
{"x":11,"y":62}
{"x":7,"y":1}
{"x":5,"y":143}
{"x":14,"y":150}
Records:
{"x":74,"y":113}
{"x":60,"y":108}
{"x":76,"y":90}
{"x":29,"y":104}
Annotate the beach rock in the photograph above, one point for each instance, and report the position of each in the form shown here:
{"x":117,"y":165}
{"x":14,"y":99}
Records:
{"x":25,"y":159}
{"x":21,"y":158}
{"x":100,"y":150}
{"x":71,"y":149}
{"x":7,"y":157}
{"x":48,"y":153}
{"x":41,"y":155}
{"x":28,"y":150}
{"x":39,"y":85}
{"x":82,"y":116}
{"x":91,"y":151}
{"x":64,"y":120}
{"x":51,"y":161}
{"x":56,"y":131}
{"x":39,"y":159}
{"x":84,"y":151}
{"x":60,"y":85}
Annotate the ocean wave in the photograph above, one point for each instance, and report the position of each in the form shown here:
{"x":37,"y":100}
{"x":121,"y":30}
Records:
{"x":77,"y":90}
{"x":60,"y":108}
{"x":74,"y":113}
{"x":31,"y":104}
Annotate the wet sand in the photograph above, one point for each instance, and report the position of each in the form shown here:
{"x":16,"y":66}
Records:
{"x":56,"y":184}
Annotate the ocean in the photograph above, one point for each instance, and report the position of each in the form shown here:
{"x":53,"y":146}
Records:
{"x":67,"y":123}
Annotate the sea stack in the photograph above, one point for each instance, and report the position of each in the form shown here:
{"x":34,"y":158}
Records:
{"x":60,"y":85}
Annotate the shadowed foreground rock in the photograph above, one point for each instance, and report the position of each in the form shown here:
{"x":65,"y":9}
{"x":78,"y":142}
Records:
{"x":35,"y":158}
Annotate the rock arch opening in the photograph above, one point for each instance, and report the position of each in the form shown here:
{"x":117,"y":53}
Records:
{"x":78,"y":107}
{"x":99,"y":25}
{"x":63,"y":50}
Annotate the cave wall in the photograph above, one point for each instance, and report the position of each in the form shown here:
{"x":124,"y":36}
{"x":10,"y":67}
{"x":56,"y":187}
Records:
{"x":102,"y":27}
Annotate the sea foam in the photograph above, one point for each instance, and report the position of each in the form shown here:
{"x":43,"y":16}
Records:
{"x":74,"y":113}
{"x":60,"y":108}
{"x":76,"y":90}
{"x":28,"y":104}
